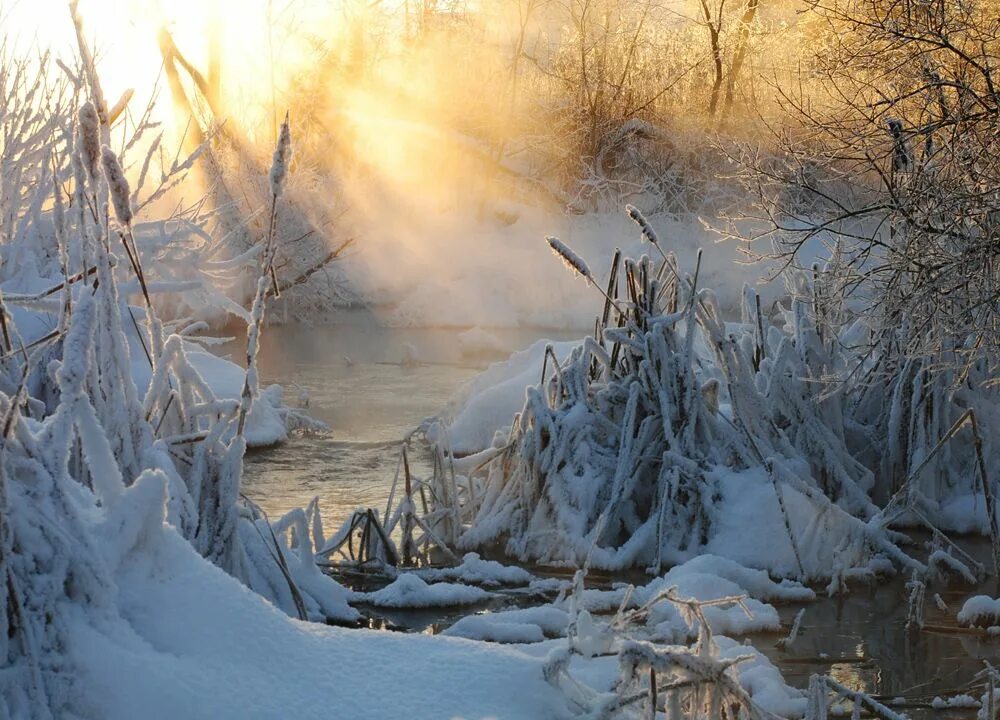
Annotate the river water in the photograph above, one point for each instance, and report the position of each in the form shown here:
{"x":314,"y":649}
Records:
{"x":372,"y":385}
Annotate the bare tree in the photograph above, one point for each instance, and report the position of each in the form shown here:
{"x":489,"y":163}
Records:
{"x":892,"y":156}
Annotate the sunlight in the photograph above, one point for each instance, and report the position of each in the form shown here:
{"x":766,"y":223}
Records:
{"x":241,"y":36}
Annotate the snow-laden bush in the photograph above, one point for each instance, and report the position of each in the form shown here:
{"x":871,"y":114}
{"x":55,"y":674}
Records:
{"x":673,"y":432}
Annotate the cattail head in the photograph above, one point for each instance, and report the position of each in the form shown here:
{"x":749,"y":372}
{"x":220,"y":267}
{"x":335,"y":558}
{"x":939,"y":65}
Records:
{"x":282,"y":157}
{"x":90,"y":139}
{"x":117,"y":185}
{"x":639,"y":219}
{"x":573,"y":261}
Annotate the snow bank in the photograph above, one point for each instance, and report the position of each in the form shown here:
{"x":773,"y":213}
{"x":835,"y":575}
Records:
{"x":703,"y":578}
{"x":409,"y":591}
{"x":710,"y":578}
{"x":755,"y":583}
{"x":268,"y":421}
{"x":955,"y":702}
{"x":488,"y":403}
{"x":763,"y":681}
{"x":191,"y":642}
{"x":526,"y":625}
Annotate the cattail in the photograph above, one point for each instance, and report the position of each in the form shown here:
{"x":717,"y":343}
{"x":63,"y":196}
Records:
{"x":90,"y":139}
{"x":648,"y":233}
{"x":282,"y":157}
{"x":710,"y":394}
{"x":573,"y":261}
{"x":118,"y":185}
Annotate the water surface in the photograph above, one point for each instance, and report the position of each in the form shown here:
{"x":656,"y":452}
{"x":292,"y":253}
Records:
{"x":371,"y":385}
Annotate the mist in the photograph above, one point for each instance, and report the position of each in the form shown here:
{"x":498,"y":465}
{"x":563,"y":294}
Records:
{"x":445,"y":140}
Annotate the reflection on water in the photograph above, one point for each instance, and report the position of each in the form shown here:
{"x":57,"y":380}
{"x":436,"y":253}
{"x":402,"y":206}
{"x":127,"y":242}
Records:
{"x":862,"y":642}
{"x":371,"y":385}
{"x":356,"y":380}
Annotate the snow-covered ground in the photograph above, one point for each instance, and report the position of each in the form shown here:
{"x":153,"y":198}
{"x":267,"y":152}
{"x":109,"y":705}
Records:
{"x":195,"y":643}
{"x":191,"y":642}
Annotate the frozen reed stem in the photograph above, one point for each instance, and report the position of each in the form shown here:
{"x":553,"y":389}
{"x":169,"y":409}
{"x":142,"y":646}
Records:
{"x":277,"y":177}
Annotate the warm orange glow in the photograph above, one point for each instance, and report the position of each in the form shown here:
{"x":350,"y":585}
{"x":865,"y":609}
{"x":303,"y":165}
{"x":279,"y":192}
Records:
{"x":246,"y":34}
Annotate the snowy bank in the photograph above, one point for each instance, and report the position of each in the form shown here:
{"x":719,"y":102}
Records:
{"x":194,"y":643}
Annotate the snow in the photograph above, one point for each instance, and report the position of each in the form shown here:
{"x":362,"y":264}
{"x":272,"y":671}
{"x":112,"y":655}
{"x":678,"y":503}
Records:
{"x":194,"y":643}
{"x":755,"y":583}
{"x":980,"y":611}
{"x":708,"y":578}
{"x":269,"y":421}
{"x":144,"y":576}
{"x":955,"y":701}
{"x":182,"y":623}
{"x":704,"y":578}
{"x":525,"y":625}
{"x":473,"y":569}
{"x":489,"y":401}
{"x":409,"y":591}
{"x":763,"y":680}
{"x":266,"y":423}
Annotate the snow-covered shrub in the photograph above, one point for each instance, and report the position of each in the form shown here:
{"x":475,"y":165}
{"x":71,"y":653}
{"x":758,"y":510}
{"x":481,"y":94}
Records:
{"x":673,"y":432}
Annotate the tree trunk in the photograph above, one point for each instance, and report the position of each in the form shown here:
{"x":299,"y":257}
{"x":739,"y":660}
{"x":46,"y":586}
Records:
{"x":713,"y":36}
{"x":749,"y":13}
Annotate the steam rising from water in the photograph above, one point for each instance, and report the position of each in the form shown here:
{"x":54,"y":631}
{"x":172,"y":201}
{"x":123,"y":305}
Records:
{"x":405,"y":134}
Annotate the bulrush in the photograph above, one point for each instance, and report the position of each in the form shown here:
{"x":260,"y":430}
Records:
{"x":579,"y":266}
{"x":282,"y":157}
{"x":573,"y":261}
{"x":90,"y":139}
{"x":648,"y":234}
{"x":117,"y":185}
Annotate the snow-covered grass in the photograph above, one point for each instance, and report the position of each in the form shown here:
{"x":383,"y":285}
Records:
{"x":672,"y":432}
{"x":116,"y":448}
